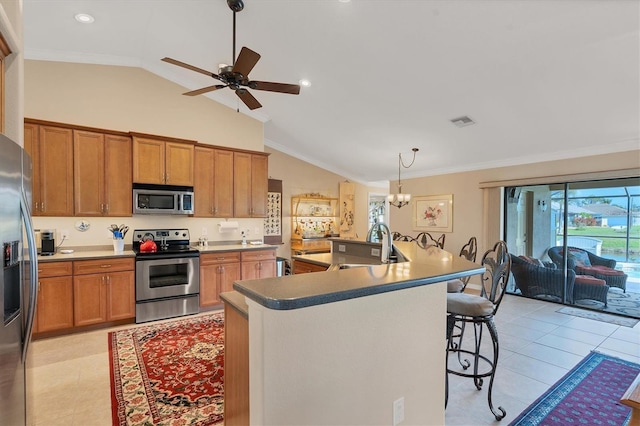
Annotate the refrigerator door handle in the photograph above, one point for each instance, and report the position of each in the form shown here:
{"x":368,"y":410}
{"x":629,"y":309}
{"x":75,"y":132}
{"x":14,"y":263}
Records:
{"x":33,"y":275}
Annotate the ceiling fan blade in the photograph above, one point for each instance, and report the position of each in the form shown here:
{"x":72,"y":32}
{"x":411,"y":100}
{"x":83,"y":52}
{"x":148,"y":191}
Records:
{"x":204,"y":90}
{"x":191,"y":67}
{"x":292,"y":89}
{"x":247,"y":59}
{"x":248,"y":99}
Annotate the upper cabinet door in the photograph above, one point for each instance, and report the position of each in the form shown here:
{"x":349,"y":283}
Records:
{"x":118,"y":175}
{"x":161,"y":162}
{"x":148,"y":161}
{"x":242,"y":184}
{"x":88,"y":173}
{"x":250,"y":181}
{"x":56,"y":171}
{"x":31,"y":146}
{"x":223,"y":183}
{"x":203,"y":182}
{"x":179,"y":164}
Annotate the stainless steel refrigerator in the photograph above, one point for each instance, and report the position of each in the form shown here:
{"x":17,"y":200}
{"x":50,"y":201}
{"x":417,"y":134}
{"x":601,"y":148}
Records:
{"x":18,"y":281}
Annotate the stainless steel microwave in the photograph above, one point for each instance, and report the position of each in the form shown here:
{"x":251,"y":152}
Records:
{"x":162,"y":199}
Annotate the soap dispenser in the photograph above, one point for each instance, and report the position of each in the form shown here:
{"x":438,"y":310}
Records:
{"x":244,"y":239}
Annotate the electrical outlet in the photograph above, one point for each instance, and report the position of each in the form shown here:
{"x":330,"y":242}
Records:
{"x":64,"y":234}
{"x":342,"y":248}
{"x":204,"y":232}
{"x":398,"y":411}
{"x":375,"y":252}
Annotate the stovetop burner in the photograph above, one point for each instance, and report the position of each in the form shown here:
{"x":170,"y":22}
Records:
{"x":168,"y":241}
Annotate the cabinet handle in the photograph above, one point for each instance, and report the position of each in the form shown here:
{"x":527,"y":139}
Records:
{"x":219,"y":258}
{"x":109,"y":279}
{"x":105,"y":266}
{"x":42,"y":209}
{"x":36,"y":206}
{"x":39,"y":271}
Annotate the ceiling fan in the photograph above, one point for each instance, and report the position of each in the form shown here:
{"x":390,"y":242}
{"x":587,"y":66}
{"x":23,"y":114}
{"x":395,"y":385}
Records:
{"x":236,"y":76}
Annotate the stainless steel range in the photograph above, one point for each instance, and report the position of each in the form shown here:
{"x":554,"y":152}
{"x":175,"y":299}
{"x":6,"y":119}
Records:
{"x":168,"y":278}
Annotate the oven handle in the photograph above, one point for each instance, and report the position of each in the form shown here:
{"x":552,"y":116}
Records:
{"x":159,"y":256}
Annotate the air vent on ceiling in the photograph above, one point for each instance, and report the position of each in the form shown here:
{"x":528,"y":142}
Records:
{"x":463,"y":121}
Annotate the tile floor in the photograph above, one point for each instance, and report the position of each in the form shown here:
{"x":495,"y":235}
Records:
{"x":70,"y":375}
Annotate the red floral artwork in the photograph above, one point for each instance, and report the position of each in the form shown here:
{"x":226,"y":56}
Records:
{"x":169,"y":374}
{"x":431,"y":214}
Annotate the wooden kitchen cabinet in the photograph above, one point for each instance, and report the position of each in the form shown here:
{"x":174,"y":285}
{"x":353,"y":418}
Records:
{"x":302,"y":267}
{"x":258,"y":264}
{"x":102,"y":174}
{"x":250,"y":183}
{"x":213,"y":182}
{"x":103,"y":290}
{"x":218,"y":271}
{"x":164,"y":162}
{"x":54,"y":310}
{"x":51,"y":151}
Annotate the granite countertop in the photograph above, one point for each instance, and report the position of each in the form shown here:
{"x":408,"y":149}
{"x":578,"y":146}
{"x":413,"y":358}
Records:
{"x":86,"y":253}
{"x":106,"y":251}
{"x":429,"y":266}
{"x":237,"y":301}
{"x":214,"y":247}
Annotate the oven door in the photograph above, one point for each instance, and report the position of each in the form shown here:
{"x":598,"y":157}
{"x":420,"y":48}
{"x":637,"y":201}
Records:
{"x":167,"y":277}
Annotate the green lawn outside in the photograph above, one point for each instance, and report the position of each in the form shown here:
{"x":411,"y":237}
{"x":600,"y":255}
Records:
{"x":612,"y":239}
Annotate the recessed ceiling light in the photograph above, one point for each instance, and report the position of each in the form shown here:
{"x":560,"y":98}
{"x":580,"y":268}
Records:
{"x":84,"y":18}
{"x":305,"y":83}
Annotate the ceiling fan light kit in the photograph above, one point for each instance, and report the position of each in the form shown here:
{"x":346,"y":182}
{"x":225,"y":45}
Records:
{"x":236,"y":76}
{"x":400,"y":200}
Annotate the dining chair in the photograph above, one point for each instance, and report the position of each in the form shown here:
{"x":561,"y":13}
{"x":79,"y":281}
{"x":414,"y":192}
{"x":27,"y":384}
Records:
{"x":425,"y":239}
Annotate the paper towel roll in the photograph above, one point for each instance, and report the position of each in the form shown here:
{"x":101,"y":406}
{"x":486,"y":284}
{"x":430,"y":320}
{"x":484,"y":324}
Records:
{"x":228,"y":226}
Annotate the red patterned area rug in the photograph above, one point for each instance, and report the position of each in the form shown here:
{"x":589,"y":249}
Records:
{"x":168,"y":374}
{"x":589,"y":394}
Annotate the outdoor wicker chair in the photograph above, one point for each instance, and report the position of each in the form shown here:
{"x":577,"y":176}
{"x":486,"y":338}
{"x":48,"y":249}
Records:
{"x":586,"y":263}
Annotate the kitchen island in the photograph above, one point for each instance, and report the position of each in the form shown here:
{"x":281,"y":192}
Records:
{"x":341,"y":347}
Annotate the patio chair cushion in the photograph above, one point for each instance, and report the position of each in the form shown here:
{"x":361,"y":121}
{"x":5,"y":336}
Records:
{"x":601,"y":270}
{"x":589,"y":279}
{"x":532,"y":260}
{"x":469,"y":305}
{"x":580,"y":257}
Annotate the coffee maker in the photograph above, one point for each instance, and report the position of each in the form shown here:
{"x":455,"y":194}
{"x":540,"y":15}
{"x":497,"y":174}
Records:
{"x":47,"y":242}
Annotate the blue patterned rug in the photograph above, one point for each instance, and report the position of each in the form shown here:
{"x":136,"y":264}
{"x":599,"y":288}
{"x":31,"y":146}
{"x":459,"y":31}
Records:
{"x":589,"y":394}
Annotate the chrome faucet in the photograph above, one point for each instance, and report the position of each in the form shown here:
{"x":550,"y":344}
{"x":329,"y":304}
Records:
{"x":380,"y":232}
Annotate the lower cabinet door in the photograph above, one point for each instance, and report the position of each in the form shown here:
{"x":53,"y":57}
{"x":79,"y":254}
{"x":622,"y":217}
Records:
{"x":121,"y":300}
{"x":216,"y":279}
{"x":54,"y":309}
{"x":89,"y":299}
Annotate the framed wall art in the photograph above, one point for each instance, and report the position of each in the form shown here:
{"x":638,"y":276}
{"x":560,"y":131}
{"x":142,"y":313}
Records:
{"x":433,"y":213}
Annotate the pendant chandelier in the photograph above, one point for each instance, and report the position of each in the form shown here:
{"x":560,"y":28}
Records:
{"x":399,"y":200}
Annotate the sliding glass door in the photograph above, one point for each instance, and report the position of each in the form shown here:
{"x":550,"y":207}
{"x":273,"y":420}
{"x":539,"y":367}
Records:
{"x":576,"y":243}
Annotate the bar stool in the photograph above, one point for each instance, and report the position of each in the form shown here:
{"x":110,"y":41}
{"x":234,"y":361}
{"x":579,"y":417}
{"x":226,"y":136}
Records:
{"x":478,"y":311}
{"x":469,"y":252}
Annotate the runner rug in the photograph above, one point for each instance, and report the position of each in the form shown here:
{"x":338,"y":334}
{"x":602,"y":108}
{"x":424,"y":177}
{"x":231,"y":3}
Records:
{"x":589,"y":394}
{"x":168,"y":374}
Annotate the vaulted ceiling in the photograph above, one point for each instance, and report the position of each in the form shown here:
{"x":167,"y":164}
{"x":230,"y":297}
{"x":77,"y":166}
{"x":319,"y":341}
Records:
{"x":545,"y":79}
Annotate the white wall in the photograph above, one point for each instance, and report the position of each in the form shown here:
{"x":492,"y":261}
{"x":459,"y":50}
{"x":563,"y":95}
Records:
{"x":468,"y":199}
{"x":345,"y":363}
